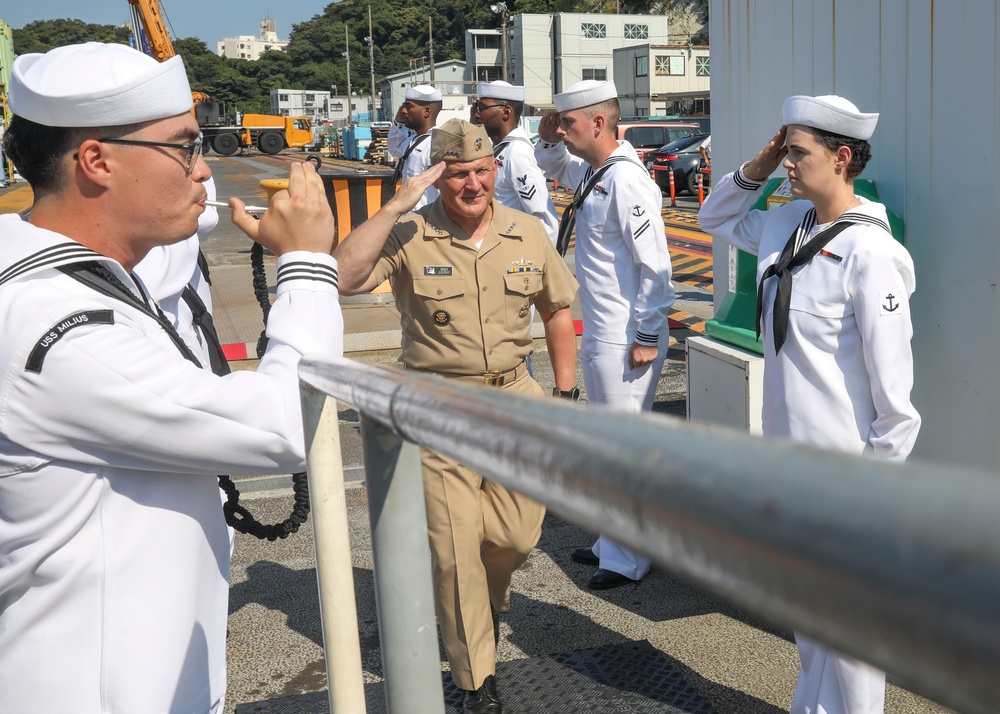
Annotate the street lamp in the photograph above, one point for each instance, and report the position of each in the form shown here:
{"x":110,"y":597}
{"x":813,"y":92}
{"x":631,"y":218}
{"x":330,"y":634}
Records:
{"x":500,"y":9}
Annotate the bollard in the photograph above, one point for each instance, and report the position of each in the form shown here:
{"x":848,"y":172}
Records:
{"x":673,"y":190}
{"x":701,"y":190}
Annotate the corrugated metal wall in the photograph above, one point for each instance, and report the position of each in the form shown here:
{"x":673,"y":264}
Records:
{"x":932,"y":70}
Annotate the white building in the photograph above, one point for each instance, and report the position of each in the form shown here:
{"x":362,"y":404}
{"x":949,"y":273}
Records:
{"x":250,"y":47}
{"x":548,"y":53}
{"x":658,"y":80}
{"x":320,"y":106}
{"x":449,"y":77}
{"x":934,"y":163}
{"x":483,"y":55}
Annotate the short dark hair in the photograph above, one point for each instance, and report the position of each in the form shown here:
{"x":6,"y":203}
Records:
{"x":861,"y":150}
{"x":37,"y":150}
{"x":517,"y":108}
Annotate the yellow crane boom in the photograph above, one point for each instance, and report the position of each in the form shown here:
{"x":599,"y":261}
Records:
{"x":151,"y":19}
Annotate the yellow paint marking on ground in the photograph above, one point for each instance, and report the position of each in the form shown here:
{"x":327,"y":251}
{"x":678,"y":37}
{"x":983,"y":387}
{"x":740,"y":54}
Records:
{"x":17,"y":200}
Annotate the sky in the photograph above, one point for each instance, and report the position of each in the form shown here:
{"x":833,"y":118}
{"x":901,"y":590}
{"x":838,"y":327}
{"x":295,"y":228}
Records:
{"x":209,"y":21}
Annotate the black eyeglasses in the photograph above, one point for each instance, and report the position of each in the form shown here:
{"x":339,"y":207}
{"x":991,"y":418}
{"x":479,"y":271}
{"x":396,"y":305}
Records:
{"x":193,"y":148}
{"x":479,"y":107}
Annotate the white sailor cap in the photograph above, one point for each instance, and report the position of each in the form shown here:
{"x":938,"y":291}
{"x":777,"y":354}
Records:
{"x":830,"y":113}
{"x":97,"y":84}
{"x":584,"y":94}
{"x":500,"y":90}
{"x":423,"y":93}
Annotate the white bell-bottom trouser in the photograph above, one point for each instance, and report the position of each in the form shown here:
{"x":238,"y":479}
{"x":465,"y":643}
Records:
{"x":833,"y":683}
{"x":610,"y":381}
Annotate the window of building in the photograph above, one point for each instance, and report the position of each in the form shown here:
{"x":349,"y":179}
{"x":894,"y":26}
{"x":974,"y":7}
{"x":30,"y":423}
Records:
{"x":702,"y":67}
{"x":310,"y":97}
{"x":636,"y":32}
{"x":337,"y":106}
{"x":669,"y":65}
{"x":593,"y":30}
{"x":642,"y":66}
{"x":282,"y":97}
{"x":487,"y":73}
{"x":598,"y":73}
{"x":488,"y":42}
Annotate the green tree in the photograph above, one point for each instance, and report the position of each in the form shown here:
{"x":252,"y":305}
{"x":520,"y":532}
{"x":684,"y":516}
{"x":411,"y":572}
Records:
{"x":43,"y":35}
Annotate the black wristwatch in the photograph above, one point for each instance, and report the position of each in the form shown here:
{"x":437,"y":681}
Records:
{"x":573,"y":393}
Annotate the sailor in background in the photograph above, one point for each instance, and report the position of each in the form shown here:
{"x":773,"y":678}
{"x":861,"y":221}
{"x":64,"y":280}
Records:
{"x":623,"y":266}
{"x":520,"y":183}
{"x":834,"y":311}
{"x":114,"y":555}
{"x":418,"y":112}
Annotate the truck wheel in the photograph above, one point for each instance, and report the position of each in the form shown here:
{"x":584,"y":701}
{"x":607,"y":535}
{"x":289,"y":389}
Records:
{"x":226,"y":144}
{"x":270,"y":142}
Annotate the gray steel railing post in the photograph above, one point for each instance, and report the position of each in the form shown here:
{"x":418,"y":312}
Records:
{"x":404,"y":594}
{"x":334,"y":570}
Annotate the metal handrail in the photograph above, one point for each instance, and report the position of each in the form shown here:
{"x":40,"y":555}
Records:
{"x":897,"y":565}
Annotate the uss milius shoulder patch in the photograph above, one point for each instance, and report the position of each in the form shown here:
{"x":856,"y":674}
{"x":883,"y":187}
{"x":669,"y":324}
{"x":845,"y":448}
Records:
{"x":57,"y":331}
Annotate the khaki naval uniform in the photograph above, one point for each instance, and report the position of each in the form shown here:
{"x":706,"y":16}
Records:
{"x":466,"y":312}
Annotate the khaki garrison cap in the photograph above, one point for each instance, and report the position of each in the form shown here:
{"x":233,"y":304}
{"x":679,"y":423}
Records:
{"x":458,"y":140}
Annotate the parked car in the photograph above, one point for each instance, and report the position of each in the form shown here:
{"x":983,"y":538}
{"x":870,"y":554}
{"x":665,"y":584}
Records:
{"x":684,"y":157}
{"x":646,"y":135}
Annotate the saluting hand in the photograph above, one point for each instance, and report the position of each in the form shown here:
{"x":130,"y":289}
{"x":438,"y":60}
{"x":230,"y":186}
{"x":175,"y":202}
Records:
{"x":297,"y":218}
{"x":548,"y":126}
{"x":412,"y":189}
{"x":767,"y":159}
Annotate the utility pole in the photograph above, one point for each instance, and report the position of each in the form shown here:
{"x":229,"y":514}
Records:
{"x":347,"y":55}
{"x":371,"y":62}
{"x":430,"y":45}
{"x":500,"y":8}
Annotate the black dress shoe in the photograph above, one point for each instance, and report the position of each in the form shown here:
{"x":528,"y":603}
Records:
{"x":585,"y":556}
{"x":607,"y":579}
{"x":484,"y":700}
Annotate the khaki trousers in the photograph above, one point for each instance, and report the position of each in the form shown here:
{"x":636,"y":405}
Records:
{"x":480,"y":533}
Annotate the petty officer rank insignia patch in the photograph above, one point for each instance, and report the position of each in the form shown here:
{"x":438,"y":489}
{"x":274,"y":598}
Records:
{"x":57,"y":331}
{"x":888,"y":303}
{"x":437,"y":270}
{"x":441,"y":318}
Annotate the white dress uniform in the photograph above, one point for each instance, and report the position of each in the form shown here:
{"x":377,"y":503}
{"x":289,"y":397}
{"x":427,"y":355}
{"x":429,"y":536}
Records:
{"x":843,"y":377}
{"x":114,"y":553}
{"x":623,"y":267}
{"x":520,"y":184}
{"x":416,"y":163}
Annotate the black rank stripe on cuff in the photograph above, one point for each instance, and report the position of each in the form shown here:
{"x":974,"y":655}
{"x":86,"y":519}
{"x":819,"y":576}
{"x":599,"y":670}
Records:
{"x":59,"y":330}
{"x":307,"y":271}
{"x":743,"y":182}
{"x":647,"y":339}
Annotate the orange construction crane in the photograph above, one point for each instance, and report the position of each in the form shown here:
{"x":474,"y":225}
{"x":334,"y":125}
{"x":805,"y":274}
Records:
{"x":147,"y":15}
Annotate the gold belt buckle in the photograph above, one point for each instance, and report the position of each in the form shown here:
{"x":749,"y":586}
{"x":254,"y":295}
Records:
{"x":493,"y":378}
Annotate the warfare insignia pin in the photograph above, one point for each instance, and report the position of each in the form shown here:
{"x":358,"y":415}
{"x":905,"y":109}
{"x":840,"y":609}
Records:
{"x":441,"y":318}
{"x":522,"y":262}
{"x":638,"y":211}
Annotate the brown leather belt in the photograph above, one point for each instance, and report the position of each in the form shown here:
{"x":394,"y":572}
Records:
{"x":493,"y":378}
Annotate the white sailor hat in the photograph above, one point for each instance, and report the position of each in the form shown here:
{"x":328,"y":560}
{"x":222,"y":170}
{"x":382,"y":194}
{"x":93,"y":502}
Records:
{"x":830,"y":113}
{"x":500,"y":90}
{"x":584,"y":94}
{"x":423,"y":93}
{"x":97,"y":84}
